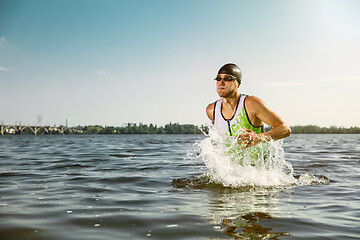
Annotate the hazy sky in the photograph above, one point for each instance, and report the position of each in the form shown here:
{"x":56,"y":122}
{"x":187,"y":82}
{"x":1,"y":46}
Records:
{"x":152,"y":61}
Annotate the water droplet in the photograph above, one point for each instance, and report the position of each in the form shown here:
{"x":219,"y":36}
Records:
{"x":218,"y":228}
{"x":172,"y":225}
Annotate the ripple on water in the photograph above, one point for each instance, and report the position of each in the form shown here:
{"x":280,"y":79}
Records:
{"x":90,"y":187}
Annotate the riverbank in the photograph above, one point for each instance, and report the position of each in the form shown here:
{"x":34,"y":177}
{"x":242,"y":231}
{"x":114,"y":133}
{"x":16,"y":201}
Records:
{"x":171,"y":128}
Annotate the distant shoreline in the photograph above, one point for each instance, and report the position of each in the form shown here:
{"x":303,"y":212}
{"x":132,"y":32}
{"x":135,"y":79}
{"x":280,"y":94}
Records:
{"x":171,"y":128}
{"x":313,"y":129}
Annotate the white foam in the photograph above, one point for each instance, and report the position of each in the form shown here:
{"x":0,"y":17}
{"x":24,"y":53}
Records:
{"x":232,"y":167}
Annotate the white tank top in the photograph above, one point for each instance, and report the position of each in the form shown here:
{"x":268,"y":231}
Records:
{"x":222,"y":125}
{"x":234,"y":125}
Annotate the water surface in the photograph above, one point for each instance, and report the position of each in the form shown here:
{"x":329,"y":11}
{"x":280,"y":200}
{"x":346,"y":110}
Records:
{"x":121,"y":187}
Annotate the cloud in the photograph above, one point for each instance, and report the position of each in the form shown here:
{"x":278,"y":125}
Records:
{"x":102,"y":72}
{"x":2,"y":39}
{"x":5,"y":68}
{"x":283,"y":84}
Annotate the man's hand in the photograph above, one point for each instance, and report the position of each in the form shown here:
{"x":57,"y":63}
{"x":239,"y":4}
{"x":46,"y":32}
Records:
{"x":249,"y":138}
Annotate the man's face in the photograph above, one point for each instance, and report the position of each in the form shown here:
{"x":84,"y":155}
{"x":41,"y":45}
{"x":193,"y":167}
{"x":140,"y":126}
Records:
{"x":226,"y":88}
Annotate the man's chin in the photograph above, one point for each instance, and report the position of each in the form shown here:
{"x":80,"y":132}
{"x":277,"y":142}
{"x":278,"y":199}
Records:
{"x":223,"y":94}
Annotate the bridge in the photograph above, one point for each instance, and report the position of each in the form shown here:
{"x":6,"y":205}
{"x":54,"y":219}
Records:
{"x":19,"y":129}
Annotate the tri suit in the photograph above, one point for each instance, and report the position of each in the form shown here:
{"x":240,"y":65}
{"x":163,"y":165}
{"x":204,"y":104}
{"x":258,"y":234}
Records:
{"x":230,"y":128}
{"x":235,"y":125}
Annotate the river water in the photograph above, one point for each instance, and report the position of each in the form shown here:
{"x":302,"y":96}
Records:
{"x":153,"y":187}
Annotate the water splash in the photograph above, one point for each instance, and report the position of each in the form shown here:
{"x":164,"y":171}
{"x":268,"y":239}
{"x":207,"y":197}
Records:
{"x":263,"y":165}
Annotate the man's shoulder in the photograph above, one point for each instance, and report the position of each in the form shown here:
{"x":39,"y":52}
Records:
{"x":254,"y":103}
{"x":210,"y":111}
{"x":253,"y":99}
{"x":210,"y":107}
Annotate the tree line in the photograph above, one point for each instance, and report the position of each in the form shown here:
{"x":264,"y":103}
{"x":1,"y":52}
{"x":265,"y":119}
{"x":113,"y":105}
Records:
{"x":131,"y":128}
{"x":176,"y":128}
{"x":313,"y":129}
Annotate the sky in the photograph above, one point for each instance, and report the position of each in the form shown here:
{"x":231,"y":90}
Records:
{"x":154,"y":61}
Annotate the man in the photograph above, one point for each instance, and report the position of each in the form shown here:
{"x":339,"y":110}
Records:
{"x":241,"y":116}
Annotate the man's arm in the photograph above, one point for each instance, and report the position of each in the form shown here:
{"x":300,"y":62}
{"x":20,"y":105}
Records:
{"x":259,"y":113}
{"x":210,"y":112}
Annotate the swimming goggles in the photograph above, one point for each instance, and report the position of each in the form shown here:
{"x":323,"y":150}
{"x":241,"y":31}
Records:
{"x":226,"y":79}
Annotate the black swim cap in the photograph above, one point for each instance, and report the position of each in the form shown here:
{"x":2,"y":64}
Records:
{"x":231,"y":69}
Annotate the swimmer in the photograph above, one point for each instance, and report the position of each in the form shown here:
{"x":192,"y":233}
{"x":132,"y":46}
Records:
{"x":241,"y":116}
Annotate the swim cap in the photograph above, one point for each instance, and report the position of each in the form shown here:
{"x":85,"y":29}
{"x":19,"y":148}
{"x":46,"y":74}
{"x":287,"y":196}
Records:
{"x":231,"y":69}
